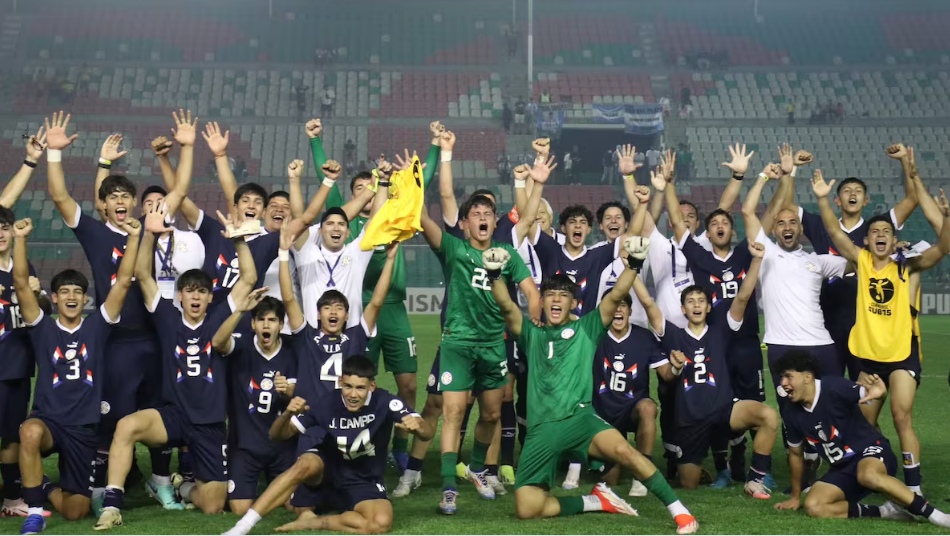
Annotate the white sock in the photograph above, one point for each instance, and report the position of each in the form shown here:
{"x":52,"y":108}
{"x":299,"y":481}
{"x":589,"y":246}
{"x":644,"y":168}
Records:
{"x":677,"y":508}
{"x":573,"y":472}
{"x":250,"y":519}
{"x":34,"y":511}
{"x":120,"y":488}
{"x":916,"y":489}
{"x":410,"y":474}
{"x":159,"y":480}
{"x":592,"y":503}
{"x":186,"y":489}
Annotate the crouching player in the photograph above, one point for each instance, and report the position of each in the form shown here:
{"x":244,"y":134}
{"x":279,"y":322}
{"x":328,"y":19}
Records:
{"x":338,"y":437}
{"x":561,"y":417}
{"x":826,"y":412}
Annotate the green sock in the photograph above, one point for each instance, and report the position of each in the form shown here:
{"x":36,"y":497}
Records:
{"x":479,"y":452}
{"x":658,"y":486}
{"x":449,"y":461}
{"x":571,"y":506}
{"x":400,"y":444}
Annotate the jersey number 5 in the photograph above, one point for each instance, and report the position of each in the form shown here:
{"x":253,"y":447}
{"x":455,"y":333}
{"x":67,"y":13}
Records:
{"x":360,"y":447}
{"x":480,"y":280}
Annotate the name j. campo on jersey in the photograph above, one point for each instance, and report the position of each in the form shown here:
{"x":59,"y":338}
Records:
{"x":881,"y":292}
{"x":350,"y":423}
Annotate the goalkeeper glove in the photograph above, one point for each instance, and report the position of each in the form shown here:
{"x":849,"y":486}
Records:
{"x":494,"y":260}
{"x":636,"y":248}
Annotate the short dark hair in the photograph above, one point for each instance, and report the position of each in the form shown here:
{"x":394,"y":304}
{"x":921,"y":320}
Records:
{"x":361,"y":176}
{"x":331,"y":211}
{"x":602,"y":209}
{"x":850,"y":180}
{"x":626,"y":298}
{"x":799,"y":361}
{"x":250,"y":188}
{"x":116,"y":183}
{"x":7,"y":217}
{"x":476,"y":201}
{"x":69,"y":277}
{"x":559,"y":281}
{"x":693,"y":289}
{"x":359,"y":366}
{"x":194,"y":278}
{"x":278,"y":193}
{"x":484,"y":191}
{"x":886,"y":218}
{"x":687,"y":202}
{"x":575,"y":211}
{"x":153,"y":189}
{"x":333,"y":296}
{"x":269,"y":304}
{"x":719,"y":212}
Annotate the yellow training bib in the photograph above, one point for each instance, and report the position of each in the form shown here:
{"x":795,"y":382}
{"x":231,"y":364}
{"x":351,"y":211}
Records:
{"x":883,"y":326}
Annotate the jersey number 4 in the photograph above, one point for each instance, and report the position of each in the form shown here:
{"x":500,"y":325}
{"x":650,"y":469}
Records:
{"x":331,"y":370}
{"x":360,"y":447}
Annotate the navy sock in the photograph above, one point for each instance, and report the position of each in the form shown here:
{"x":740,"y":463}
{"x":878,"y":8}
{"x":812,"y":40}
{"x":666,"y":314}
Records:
{"x":507,"y":433}
{"x":34,"y":497}
{"x":863,"y":510}
{"x":10,"y":473}
{"x":161,"y":461}
{"x":468,"y":413}
{"x":912,"y":474}
{"x":719,"y":460}
{"x":415,"y":464}
{"x":737,"y":458}
{"x":491,"y":470}
{"x":185,"y":467}
{"x":113,"y":498}
{"x":920,"y":507}
{"x":101,"y":469}
{"x":761,"y":466}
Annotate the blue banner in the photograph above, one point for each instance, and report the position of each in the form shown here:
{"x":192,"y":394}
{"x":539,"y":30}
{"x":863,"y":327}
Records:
{"x":643,"y":119}
{"x":609,"y":113}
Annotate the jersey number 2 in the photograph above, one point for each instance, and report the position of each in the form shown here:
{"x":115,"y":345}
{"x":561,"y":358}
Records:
{"x":480,"y":279}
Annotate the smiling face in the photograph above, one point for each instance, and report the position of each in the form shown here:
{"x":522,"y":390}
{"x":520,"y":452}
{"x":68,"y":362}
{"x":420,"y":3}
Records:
{"x":480,"y":223}
{"x":334,"y":231}
{"x":852,"y":198}
{"x":557,"y":306}
{"x":787,"y":230}
{"x":355,"y":391}
{"x":278,"y":210}
{"x":267,"y":328}
{"x":251,"y":206}
{"x":118,"y":206}
{"x":576,"y":229}
{"x":333,"y":318}
{"x":799,"y":386}
{"x":194,"y":302}
{"x":719,"y":230}
{"x":69,"y":300}
{"x":881,"y":239}
{"x":696,"y":306}
{"x":613,"y":224}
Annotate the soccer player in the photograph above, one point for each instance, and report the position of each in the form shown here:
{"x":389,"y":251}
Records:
{"x":263,"y":369}
{"x":827,"y":412}
{"x":561,"y":419}
{"x":68,"y":396}
{"x":882,"y":337}
{"x":15,"y":385}
{"x":192,"y":347}
{"x":705,"y":404}
{"x":338,"y":438}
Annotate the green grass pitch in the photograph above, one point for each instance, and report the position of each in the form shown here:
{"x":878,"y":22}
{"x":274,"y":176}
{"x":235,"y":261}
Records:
{"x":719,"y":512}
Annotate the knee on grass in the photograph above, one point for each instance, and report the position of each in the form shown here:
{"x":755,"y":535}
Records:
{"x":381,"y":523}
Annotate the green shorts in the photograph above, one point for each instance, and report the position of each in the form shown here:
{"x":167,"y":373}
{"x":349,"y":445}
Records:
{"x":394,"y":338}
{"x":478,"y":368}
{"x":549,"y":443}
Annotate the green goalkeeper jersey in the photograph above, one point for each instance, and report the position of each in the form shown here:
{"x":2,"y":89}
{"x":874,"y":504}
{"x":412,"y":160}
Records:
{"x":560,"y":366}
{"x":473,"y":318}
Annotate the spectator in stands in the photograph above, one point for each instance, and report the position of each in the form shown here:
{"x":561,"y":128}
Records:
{"x":568,"y":167}
{"x":506,"y":117}
{"x":545,"y":97}
{"x":531,"y":117}
{"x":642,"y":174}
{"x":520,"y":108}
{"x":608,"y":162}
{"x":504,"y":166}
{"x":685,"y":162}
{"x":685,"y":95}
{"x":665,"y":103}
{"x":839,"y":112}
{"x":241,"y":169}
{"x":68,"y":90}
{"x":349,"y":154}
{"x":653,"y":158}
{"x":301,"y":92}
{"x":790,"y":109}
{"x":326,"y":104}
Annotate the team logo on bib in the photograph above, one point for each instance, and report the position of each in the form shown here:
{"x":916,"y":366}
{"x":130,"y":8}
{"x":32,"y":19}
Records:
{"x":567,"y":333}
{"x":70,"y":354}
{"x":267,"y":384}
{"x":446,"y":378}
{"x":882,"y":290}
{"x":104,"y":408}
{"x":396,"y":405}
{"x":822,"y":436}
{"x":699,"y":358}
{"x":431,"y":380}
{"x":193,"y":349}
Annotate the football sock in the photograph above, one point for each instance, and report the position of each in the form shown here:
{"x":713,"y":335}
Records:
{"x":400,"y":444}
{"x":911,"y":472}
{"x":863,"y":510}
{"x":719,"y":460}
{"x":114,"y":497}
{"x":449,"y":461}
{"x":761,"y":465}
{"x":658,"y":486}
{"x":161,"y":461}
{"x":10,"y":473}
{"x":737,"y":457}
{"x":491,"y":470}
{"x":101,"y":468}
{"x":573,"y":472}
{"x":185,"y":468}
{"x":415,"y":464}
{"x":34,"y":497}
{"x":186,"y":489}
{"x":161,"y":480}
{"x":920,"y":507}
{"x":577,"y":505}
{"x":250,"y":519}
{"x":477,"y":460}
{"x":507,"y":433}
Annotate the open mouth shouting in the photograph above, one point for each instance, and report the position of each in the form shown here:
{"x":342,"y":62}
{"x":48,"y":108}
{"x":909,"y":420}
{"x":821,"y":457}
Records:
{"x":618,"y":321}
{"x":880,"y":245}
{"x":556,"y":313}
{"x":72,"y":306}
{"x":121,"y":213}
{"x":266,"y":337}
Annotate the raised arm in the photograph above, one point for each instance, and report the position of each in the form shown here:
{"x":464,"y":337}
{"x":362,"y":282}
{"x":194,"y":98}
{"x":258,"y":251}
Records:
{"x":29,"y":306}
{"x":14,"y":189}
{"x":300,"y":226}
{"x":741,"y":301}
{"x":842,"y":242}
{"x":494,"y":260}
{"x":752,"y":223}
{"x":57,"y":140}
{"x":384,"y":172}
{"x":109,"y":154}
{"x":635,"y":253}
{"x":218,"y":144}
{"x":654,"y":315}
{"x":123,"y":278}
{"x":221,"y":341}
{"x":539,"y":173}
{"x":184,"y":135}
{"x":144,"y":269}
{"x":371,"y":311}
{"x":314,"y":130}
{"x":787,"y":186}
{"x":431,"y":230}
{"x":283,"y":429}
{"x":930,"y":257}
{"x":905,"y":207}
{"x":738,"y":165}
{"x":450,"y":207}
{"x":247,"y":271}
{"x":638,"y":223}
{"x":294,"y":175}
{"x":672,"y":204}
{"x":291,"y":306}
{"x":432,"y":157}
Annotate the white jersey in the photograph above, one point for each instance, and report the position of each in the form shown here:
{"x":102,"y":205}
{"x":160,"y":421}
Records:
{"x":272,"y":282}
{"x":671,"y":274}
{"x":175,"y":254}
{"x":608,"y":278}
{"x":320,"y":269}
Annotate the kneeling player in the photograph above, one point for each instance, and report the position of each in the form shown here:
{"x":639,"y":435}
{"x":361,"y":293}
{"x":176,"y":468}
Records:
{"x":826,"y":412}
{"x":337,"y":452}
{"x":705,"y":405}
{"x":561,"y":420}
{"x":622,"y":382}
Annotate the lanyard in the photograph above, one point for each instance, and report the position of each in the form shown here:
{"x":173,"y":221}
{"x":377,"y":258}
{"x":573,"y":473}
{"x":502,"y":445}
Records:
{"x":331,"y":283}
{"x":166,"y":257}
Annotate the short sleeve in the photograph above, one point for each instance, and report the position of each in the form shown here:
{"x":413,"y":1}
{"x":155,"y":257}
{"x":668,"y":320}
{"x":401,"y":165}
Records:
{"x":736,"y":325}
{"x":593,"y":325}
{"x":264,"y":250}
{"x":448,"y":247}
{"x":516,"y":272}
{"x":396,"y":408}
{"x":527,"y":333}
{"x":793,"y":436}
{"x":897,"y":225}
{"x":305,"y":422}
{"x":658,"y":358}
{"x":691,"y":250}
{"x":668,"y":340}
{"x":832,"y":265}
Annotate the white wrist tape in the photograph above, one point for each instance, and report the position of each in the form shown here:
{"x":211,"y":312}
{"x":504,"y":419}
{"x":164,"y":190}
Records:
{"x":794,"y":171}
{"x":283,"y":255}
{"x":445,"y":156}
{"x":628,"y":177}
{"x":54,"y":155}
{"x":519,"y":183}
{"x":677,"y":371}
{"x":329,"y":183}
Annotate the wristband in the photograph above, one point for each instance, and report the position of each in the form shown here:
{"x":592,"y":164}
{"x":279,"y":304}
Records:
{"x":329,"y":183}
{"x":738,"y":177}
{"x":29,"y":164}
{"x":54,"y":155}
{"x":629,"y":177}
{"x":519,"y":183}
{"x":794,"y":171}
{"x":677,"y":371}
{"x":414,"y":414}
{"x":384,"y":184}
{"x":445,"y":156}
{"x":104,"y":166}
{"x":283,"y":255}
{"x":763,"y":176}
{"x":104,"y":161}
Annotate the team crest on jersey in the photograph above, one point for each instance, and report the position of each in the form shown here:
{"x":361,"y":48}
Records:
{"x":70,"y":354}
{"x":267,"y":384}
{"x":567,"y":333}
{"x":234,"y":263}
{"x":193,"y":349}
{"x":822,"y":436}
{"x":231,"y":486}
{"x":446,"y":378}
{"x":881,"y":290}
{"x":728,"y":276}
{"x":811,"y":267}
{"x":104,"y":408}
{"x":618,"y":366}
{"x":346,"y":260}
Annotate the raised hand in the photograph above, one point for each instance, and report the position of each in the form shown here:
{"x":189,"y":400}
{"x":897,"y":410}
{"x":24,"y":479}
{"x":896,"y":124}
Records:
{"x":251,"y":300}
{"x":297,"y":406}
{"x":216,"y":142}
{"x":447,"y":141}
{"x":280,"y":383}
{"x":56,"y":137}
{"x":542,"y":170}
{"x":35,"y":285}
{"x":23,"y":228}
{"x":819,"y":186}
{"x":625,"y":159}
{"x":286,"y":238}
{"x":392,"y":249}
{"x":332,"y":169}
{"x":185,"y":133}
{"x":542,"y":146}
{"x":132,"y":227}
{"x":384,"y":169}
{"x":912,"y":163}
{"x":943,"y":204}
{"x":155,"y":219}
{"x":411,"y":423}
{"x":642,"y":193}
{"x":774,"y":171}
{"x":803,"y":157}
{"x":757,"y":249}
{"x":668,"y":164}
{"x":786,"y":158}
{"x":677,"y":359}
{"x":110,"y":148}
{"x":295,"y":170}
{"x":494,"y":261}
{"x":658,"y":180}
{"x":897,"y":151}
{"x":404,"y":161}
{"x":313,"y":128}
{"x":161,"y":146}
{"x":36,"y":145}
{"x":740,"y":159}
{"x":436,"y":128}
{"x":521,"y":172}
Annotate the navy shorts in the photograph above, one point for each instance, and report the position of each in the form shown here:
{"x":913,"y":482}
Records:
{"x":132,"y":377}
{"x":432,"y":385}
{"x":331,"y":496}
{"x":845,"y":477}
{"x":14,"y":406}
{"x":516,"y":358}
{"x":829,"y":359}
{"x":246,"y":467}
{"x":622,"y":416}
{"x":206,"y":442}
{"x":691,"y":442}
{"x":76,"y":446}
{"x":745,"y":369}
{"x":884,"y":370}
{"x":841,"y":333}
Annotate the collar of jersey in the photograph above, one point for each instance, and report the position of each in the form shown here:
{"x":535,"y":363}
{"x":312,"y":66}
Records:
{"x":568,"y":255}
{"x":817,"y":394}
{"x":115,"y":229}
{"x":67,"y":330}
{"x":280,"y":345}
{"x":625,"y":337}
{"x":857,"y":225}
{"x":701,"y":335}
{"x":188,"y":324}
{"x":368,"y":398}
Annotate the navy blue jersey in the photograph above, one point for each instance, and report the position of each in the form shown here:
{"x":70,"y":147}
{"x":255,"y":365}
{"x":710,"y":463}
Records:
{"x":622,"y":369}
{"x":703,"y":389}
{"x":835,"y":425}
{"x":221,"y":261}
{"x":194,"y":375}
{"x":255,"y":404}
{"x":104,"y":246}
{"x":69,"y":364}
{"x":15,"y":346}
{"x":348,"y":440}
{"x":585,"y":269}
{"x":320,"y":357}
{"x":721,"y":279}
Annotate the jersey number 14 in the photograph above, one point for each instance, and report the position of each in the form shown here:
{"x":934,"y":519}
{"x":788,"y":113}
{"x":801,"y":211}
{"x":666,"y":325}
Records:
{"x":360,"y":446}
